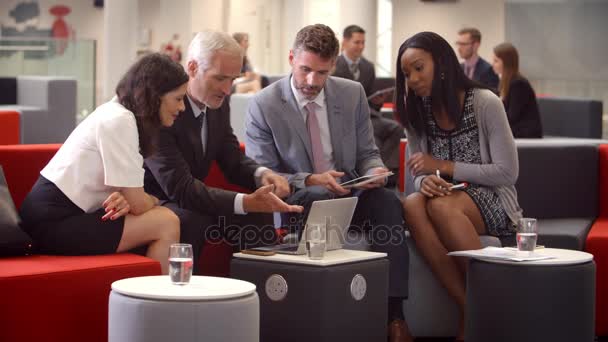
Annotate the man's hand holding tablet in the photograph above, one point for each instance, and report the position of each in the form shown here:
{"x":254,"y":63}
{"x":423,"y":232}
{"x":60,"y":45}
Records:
{"x":360,"y":182}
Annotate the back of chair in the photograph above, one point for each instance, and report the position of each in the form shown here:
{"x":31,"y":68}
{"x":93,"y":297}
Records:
{"x":8,"y":91}
{"x":22,"y":165}
{"x":558,"y":180}
{"x":571,"y":117}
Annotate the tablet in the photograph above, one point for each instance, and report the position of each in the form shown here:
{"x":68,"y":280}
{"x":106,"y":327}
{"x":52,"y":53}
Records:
{"x":353,"y":183}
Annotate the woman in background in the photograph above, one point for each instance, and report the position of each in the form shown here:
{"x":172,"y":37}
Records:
{"x":457,"y":131}
{"x":89,"y":198}
{"x":516,"y":93}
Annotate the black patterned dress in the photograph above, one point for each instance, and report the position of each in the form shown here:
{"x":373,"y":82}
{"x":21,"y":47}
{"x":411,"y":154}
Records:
{"x":462,"y":145}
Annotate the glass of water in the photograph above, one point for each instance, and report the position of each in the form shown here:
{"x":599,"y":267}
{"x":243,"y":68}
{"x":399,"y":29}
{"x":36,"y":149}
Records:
{"x":527,"y":233}
{"x":315,"y":241}
{"x":180,"y":263}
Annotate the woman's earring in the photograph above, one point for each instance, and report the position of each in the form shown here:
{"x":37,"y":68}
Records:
{"x":442,"y":76}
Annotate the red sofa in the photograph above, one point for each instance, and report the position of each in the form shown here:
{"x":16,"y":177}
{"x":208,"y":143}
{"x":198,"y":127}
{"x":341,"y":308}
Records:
{"x":64,"y":298}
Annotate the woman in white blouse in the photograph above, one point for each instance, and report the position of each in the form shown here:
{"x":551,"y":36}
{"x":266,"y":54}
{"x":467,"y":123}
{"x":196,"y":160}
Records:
{"x":89,"y":198}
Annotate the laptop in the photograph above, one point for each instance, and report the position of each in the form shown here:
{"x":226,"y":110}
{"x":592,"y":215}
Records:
{"x":335,"y":214}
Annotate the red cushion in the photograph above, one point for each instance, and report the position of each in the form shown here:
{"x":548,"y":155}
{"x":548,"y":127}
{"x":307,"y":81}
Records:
{"x":22,"y":165}
{"x":61,"y":298}
{"x":603,"y":180}
{"x":597,"y":244}
{"x":215,"y":258}
{"x":216,"y":178}
{"x":9,"y":127}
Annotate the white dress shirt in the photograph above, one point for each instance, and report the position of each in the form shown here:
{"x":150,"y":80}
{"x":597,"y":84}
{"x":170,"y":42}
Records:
{"x":99,"y":157}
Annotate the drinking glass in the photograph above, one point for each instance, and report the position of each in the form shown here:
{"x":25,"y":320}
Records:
{"x":315,"y":241}
{"x":180,"y":263}
{"x":527,"y":234}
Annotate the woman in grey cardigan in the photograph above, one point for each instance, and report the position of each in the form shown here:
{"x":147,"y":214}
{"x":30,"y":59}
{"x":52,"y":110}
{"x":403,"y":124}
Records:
{"x":457,"y":132}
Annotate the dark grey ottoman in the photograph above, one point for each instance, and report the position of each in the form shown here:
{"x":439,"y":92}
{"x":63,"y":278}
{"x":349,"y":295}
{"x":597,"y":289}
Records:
{"x":320,"y":300}
{"x":550,"y":300}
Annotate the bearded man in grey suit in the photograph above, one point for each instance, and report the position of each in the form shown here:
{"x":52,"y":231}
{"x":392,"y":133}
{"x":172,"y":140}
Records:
{"x":315,"y":130}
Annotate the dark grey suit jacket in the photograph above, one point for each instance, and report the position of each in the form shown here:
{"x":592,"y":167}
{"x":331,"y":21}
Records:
{"x":175,"y":172}
{"x":367,"y":74}
{"x":484,"y":74}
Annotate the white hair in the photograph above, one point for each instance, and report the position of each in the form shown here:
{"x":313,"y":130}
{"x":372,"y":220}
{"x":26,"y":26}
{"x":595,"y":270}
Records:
{"x":206,"y":43}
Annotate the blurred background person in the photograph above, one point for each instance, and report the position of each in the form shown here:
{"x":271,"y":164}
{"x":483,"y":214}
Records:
{"x":516,"y":93}
{"x":249,"y":82}
{"x":475,"y":67}
{"x":351,"y":65}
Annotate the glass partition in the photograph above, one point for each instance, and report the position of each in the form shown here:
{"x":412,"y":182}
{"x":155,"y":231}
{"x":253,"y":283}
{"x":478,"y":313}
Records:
{"x":53,"y":57}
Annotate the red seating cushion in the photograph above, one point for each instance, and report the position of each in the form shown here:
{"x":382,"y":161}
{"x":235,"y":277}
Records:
{"x":9,"y":127}
{"x":62,"y":298}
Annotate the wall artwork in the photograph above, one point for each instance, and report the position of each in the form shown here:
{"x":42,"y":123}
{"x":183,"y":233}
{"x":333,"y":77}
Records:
{"x":24,"y":29}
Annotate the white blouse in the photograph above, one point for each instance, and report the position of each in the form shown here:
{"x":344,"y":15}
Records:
{"x":100,"y":156}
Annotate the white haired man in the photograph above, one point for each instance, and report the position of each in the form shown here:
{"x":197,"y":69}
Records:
{"x":202,"y":135}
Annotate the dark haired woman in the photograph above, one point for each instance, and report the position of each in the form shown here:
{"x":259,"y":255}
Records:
{"x":516,"y":93}
{"x":457,"y":132}
{"x":89,"y":198}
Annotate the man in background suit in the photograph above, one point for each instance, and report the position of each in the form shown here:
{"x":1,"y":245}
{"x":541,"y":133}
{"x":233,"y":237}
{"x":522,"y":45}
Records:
{"x":475,"y":67}
{"x":315,"y":130}
{"x":353,"y":66}
{"x":201,"y":135}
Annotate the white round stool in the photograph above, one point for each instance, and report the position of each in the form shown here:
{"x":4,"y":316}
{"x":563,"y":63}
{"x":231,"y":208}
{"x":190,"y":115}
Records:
{"x":149,"y":309}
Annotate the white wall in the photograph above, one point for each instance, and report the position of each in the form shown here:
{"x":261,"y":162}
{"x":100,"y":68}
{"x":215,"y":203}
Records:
{"x":446,"y":18}
{"x":120,"y":50}
{"x":209,"y":14}
{"x":149,"y":19}
{"x":175,"y":18}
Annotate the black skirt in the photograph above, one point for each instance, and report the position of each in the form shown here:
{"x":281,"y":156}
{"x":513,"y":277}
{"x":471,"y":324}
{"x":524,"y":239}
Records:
{"x":58,"y":226}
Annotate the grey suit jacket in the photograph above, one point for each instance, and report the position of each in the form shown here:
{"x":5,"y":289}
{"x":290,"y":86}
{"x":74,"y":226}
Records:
{"x":367,"y":74}
{"x":276,"y":134}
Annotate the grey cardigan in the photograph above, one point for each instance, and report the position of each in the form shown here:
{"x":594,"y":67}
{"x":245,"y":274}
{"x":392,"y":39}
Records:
{"x":499,"y":166}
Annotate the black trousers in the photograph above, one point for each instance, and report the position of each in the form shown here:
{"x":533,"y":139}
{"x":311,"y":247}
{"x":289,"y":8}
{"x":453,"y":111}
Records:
{"x":380,"y":215}
{"x":239,"y":231}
